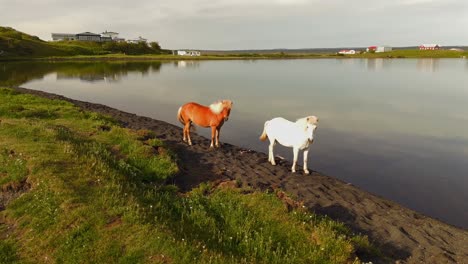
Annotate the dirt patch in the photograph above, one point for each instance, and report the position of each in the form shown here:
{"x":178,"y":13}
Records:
{"x":11,"y":191}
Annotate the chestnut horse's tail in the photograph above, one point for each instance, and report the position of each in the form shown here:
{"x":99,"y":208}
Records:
{"x":179,"y":116}
{"x":182,"y":121}
{"x":264,"y":135}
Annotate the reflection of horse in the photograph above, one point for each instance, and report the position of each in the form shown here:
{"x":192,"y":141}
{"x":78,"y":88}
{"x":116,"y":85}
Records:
{"x":298,"y":135}
{"x":205,"y":116}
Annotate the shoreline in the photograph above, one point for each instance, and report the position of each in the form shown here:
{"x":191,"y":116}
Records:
{"x":397,"y":54}
{"x":401,"y":233}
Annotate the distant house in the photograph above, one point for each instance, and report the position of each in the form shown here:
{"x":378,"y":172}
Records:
{"x":106,"y":39}
{"x":429,"y":47}
{"x":63,"y":36}
{"x":110,"y":34}
{"x":138,"y":40}
{"x":88,"y":36}
{"x":457,"y":49}
{"x":347,"y":52}
{"x":188,"y":53}
{"x":383,"y":49}
{"x":379,"y":49}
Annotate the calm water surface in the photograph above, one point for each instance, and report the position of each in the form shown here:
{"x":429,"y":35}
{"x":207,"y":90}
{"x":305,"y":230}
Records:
{"x":396,"y":128}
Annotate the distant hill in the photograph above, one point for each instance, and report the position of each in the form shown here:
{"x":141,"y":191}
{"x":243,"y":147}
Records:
{"x":308,"y":50}
{"x":14,"y":43}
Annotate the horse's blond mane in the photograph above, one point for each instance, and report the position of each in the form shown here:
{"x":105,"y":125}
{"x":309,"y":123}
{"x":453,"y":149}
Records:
{"x":218,"y":107}
{"x":303,"y":122}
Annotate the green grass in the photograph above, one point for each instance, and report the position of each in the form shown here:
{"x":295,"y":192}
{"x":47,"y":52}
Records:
{"x":161,"y":57}
{"x":17,"y":44}
{"x":98,"y":195}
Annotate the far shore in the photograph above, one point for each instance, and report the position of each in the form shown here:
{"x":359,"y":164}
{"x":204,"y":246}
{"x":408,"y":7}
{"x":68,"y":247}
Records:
{"x":396,"y":54}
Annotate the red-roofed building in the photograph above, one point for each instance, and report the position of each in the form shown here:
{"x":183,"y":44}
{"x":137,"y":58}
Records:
{"x":429,"y":47}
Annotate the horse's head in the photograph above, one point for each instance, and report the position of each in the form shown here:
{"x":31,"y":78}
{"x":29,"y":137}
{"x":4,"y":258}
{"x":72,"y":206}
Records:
{"x":227,"y":105}
{"x":311,"y":126}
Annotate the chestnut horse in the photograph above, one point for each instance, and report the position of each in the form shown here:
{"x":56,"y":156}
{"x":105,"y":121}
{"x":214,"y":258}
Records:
{"x":212,"y":116}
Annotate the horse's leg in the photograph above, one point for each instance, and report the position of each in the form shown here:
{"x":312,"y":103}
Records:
{"x":213,"y":134}
{"x":295,"y":152}
{"x":271,"y":156}
{"x":217,"y":136}
{"x":184,"y":133}
{"x":187,"y":132}
{"x":305,"y":153}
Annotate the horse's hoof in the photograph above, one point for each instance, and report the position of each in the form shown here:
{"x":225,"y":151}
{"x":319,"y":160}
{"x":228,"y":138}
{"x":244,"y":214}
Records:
{"x":306,"y":172}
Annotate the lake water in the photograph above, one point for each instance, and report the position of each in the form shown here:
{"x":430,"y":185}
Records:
{"x":397,"y":128}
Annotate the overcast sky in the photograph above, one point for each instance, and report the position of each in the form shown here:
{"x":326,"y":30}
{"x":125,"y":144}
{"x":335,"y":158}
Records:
{"x":249,"y":24}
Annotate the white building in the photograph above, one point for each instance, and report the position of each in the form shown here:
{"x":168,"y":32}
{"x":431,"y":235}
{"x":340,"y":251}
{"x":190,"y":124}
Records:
{"x":188,"y":53}
{"x":88,"y":36}
{"x":347,"y":52}
{"x":110,"y":34}
{"x":383,"y":49}
{"x":63,"y":36}
{"x":137,"y":40}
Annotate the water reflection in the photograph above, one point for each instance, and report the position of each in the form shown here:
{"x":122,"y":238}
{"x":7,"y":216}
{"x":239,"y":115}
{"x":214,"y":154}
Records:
{"x":378,"y":64}
{"x":388,"y":132}
{"x":428,"y":65}
{"x":187,"y":64}
{"x":17,"y":73}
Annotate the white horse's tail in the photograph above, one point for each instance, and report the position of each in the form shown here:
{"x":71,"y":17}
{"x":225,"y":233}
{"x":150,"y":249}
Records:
{"x":264,"y":135}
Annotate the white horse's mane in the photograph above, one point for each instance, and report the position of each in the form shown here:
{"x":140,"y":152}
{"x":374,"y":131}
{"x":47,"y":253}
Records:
{"x":303,"y":122}
{"x":218,"y":107}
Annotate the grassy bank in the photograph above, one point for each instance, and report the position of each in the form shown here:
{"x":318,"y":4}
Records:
{"x":77,"y":187}
{"x":397,"y":54}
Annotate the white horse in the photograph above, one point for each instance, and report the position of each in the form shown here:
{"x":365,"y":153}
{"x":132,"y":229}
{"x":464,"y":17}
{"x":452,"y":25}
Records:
{"x":298,"y":135}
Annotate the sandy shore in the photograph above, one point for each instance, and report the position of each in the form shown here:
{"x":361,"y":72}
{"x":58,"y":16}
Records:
{"x":402,"y":234}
